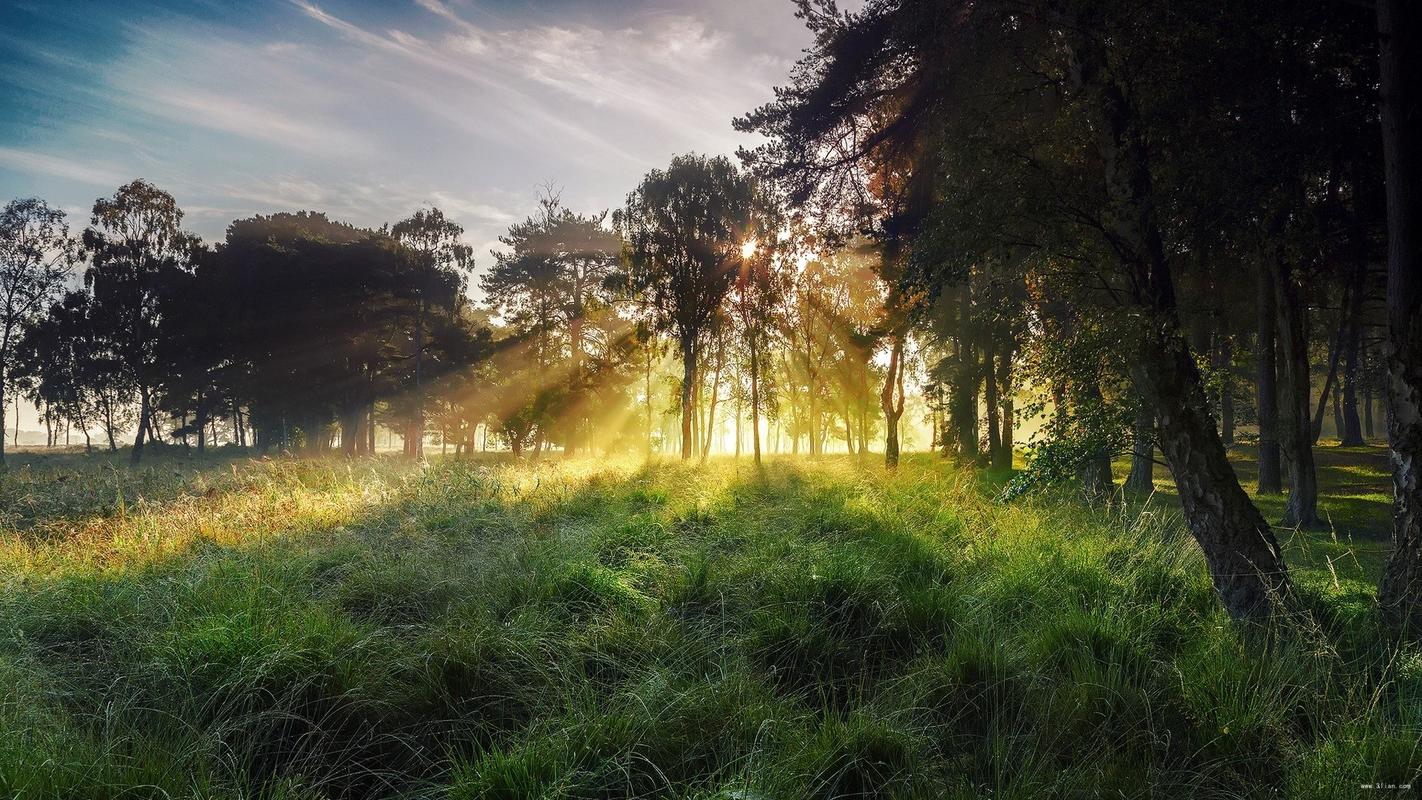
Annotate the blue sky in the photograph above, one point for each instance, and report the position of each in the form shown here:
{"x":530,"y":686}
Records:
{"x":369,"y":110}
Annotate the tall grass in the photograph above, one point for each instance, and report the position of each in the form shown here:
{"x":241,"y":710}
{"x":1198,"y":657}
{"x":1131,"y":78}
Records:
{"x":286,"y":629}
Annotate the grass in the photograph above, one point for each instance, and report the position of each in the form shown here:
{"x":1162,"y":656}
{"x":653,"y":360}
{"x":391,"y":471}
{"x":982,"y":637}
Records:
{"x":227,"y":628}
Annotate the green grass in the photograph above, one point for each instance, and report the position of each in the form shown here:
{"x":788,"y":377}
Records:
{"x":287,"y":629}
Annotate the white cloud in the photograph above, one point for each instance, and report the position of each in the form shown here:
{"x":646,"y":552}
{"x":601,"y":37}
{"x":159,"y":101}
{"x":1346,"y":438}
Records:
{"x":34,"y":163}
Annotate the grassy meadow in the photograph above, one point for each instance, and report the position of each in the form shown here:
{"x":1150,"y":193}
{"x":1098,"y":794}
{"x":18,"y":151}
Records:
{"x":237,"y":628}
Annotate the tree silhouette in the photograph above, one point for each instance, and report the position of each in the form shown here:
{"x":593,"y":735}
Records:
{"x":133,"y":240}
{"x":685,"y":227}
{"x":437,"y":255}
{"x":36,"y":258}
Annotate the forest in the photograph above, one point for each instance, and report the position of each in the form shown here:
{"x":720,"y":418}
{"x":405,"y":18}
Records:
{"x":1030,"y":408}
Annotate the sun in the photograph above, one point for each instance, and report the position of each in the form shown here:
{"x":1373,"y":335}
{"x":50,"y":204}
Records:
{"x":748,"y":248}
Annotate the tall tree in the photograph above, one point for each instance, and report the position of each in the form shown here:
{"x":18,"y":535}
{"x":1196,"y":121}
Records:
{"x":36,"y":258}
{"x":1400,"y":30}
{"x":551,"y":284}
{"x":1061,"y":99}
{"x":134,"y":238}
{"x":757,"y":298}
{"x":437,"y":250}
{"x":684,"y":228}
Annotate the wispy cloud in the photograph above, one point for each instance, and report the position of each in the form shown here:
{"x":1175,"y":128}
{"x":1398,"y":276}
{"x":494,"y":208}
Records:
{"x":68,"y":168}
{"x":466,"y":104}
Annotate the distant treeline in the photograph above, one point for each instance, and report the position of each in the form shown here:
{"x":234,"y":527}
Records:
{"x":298,"y":332}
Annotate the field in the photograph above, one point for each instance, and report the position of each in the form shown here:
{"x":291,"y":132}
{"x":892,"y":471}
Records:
{"x":235,"y":628}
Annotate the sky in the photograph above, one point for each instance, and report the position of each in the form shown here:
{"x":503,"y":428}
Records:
{"x":369,"y":110}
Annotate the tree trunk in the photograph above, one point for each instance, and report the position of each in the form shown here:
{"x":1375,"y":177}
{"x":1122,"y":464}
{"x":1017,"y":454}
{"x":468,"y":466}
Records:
{"x":649,"y":400}
{"x":740,"y":412}
{"x":688,"y":381}
{"x":994,"y":418}
{"x":142,"y":426}
{"x":1095,"y":472}
{"x":1225,"y":365}
{"x":892,"y":410}
{"x":814,"y":420}
{"x":1400,"y":29}
{"x":2,"y":413}
{"x":201,"y":430}
{"x":1270,"y":472}
{"x":1003,"y":458}
{"x":1141,"y":480}
{"x":1335,"y":350}
{"x":417,"y":449}
{"x":1367,"y":409}
{"x":575,"y":343}
{"x":1245,"y":562}
{"x":1338,"y":409}
{"x":1352,"y":429}
{"x":755,"y":401}
{"x":1296,"y":429}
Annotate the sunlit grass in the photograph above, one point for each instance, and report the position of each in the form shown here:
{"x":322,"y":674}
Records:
{"x":595,"y":628}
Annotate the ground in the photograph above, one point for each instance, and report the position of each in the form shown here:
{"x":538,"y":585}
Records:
{"x":235,"y":628}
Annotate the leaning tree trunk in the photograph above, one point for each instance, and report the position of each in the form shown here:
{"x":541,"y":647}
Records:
{"x":143,"y":412}
{"x":1297,"y":430}
{"x":1244,"y":559}
{"x":1400,"y":29}
{"x":1335,"y":349}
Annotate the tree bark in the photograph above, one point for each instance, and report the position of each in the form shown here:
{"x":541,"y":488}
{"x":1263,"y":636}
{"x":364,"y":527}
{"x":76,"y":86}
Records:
{"x":1296,"y":429}
{"x":1225,"y":365}
{"x":1003,"y":458}
{"x":1095,"y":472}
{"x":1270,"y":469}
{"x":893,"y":410}
{"x":143,"y":412}
{"x":1335,"y":350}
{"x":1400,"y":32}
{"x":2,"y":414}
{"x":1352,"y":430}
{"x":1367,"y":409}
{"x":1140,"y":480}
{"x":755,"y":401}
{"x":994,"y":413}
{"x":688,"y":381}
{"x":1244,"y":559}
{"x":417,"y":449}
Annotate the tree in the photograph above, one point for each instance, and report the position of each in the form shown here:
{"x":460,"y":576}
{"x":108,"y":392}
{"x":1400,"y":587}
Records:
{"x":756,"y":300}
{"x":133,"y":240}
{"x":552,"y":284}
{"x":437,"y":252}
{"x":684,"y":228}
{"x":1055,"y":103}
{"x":1400,"y":30}
{"x":36,"y":258}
